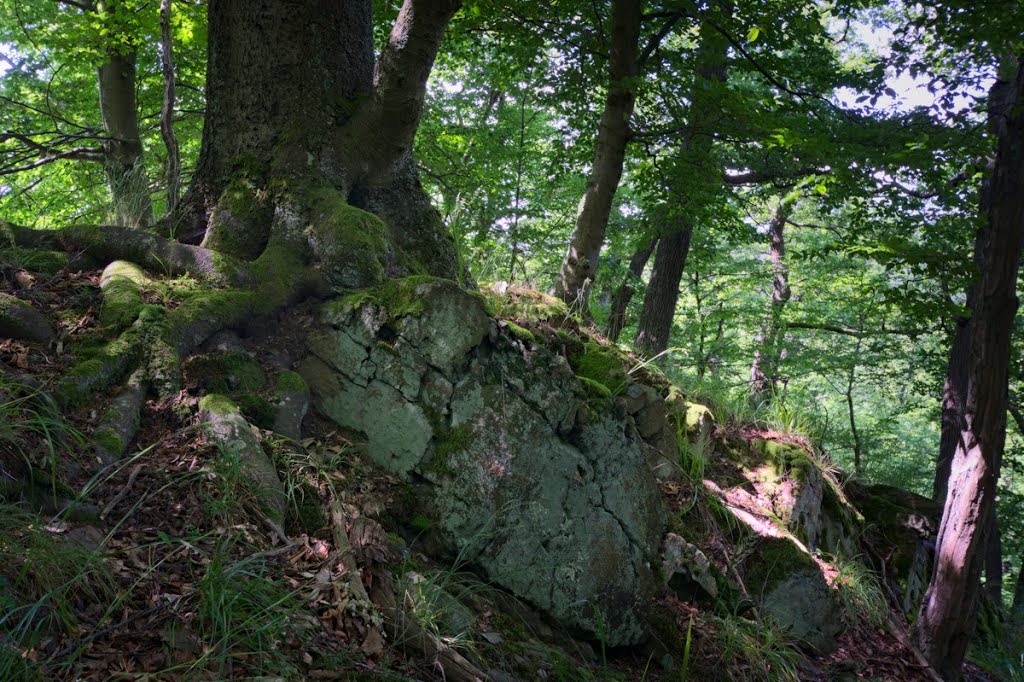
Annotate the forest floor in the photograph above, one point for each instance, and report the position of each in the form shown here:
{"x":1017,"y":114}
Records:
{"x":162,"y":571}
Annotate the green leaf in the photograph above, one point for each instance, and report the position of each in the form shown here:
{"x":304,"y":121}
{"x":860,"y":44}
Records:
{"x":753,"y":33}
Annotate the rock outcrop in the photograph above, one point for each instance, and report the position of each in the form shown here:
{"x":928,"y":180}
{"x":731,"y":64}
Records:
{"x":524,"y":471}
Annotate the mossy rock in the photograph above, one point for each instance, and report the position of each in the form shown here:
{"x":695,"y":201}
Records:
{"x":36,"y":260}
{"x":257,"y":410}
{"x":232,"y":372}
{"x":792,"y":591}
{"x":397,"y":298}
{"x":601,"y":365}
{"x":19,"y":320}
{"x":520,"y":303}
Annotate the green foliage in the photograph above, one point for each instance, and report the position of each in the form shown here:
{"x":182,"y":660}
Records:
{"x":241,"y":612}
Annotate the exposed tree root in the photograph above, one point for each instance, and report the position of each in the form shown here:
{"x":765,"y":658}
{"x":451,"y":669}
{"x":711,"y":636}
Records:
{"x":224,"y":423}
{"x":120,"y":421}
{"x":154,"y":253}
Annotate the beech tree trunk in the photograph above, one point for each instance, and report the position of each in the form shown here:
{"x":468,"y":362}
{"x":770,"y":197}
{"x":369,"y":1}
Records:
{"x":659,"y":309}
{"x":947,"y":617}
{"x":663,"y":290}
{"x":580,"y":264}
{"x":764,"y":370}
{"x":624,"y":293}
{"x":123,"y":162}
{"x":303,"y":125}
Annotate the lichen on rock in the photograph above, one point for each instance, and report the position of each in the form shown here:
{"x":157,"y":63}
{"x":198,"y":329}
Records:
{"x":563,"y":512}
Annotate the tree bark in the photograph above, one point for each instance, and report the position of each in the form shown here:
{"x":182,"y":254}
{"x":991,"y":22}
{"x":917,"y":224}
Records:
{"x":580,"y":263}
{"x":858,"y":451}
{"x":173,"y":170}
{"x":659,"y":309}
{"x":663,"y":290}
{"x":954,"y":394}
{"x":947,"y":617}
{"x":764,"y":370}
{"x":1018,"y":595}
{"x":123,"y":162}
{"x":303,"y":124}
{"x":624,"y":293}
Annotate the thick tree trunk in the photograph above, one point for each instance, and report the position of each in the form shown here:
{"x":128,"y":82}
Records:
{"x":659,"y":309}
{"x":764,"y":370}
{"x":947,"y":618}
{"x":580,"y":264}
{"x":303,"y":126}
{"x":122,"y":152}
{"x":624,"y":293}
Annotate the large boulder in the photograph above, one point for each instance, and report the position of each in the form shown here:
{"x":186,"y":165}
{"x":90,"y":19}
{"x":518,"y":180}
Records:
{"x":791,"y":589}
{"x":521,"y":469}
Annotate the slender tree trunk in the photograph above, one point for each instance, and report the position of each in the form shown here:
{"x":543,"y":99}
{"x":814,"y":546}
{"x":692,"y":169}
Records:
{"x":994,"y":560}
{"x":858,"y":452}
{"x":173,"y":171}
{"x":1018,"y":594}
{"x":305,"y":129}
{"x":580,"y":264}
{"x":122,"y":152}
{"x":624,"y":293}
{"x":764,"y":370}
{"x":659,"y":309}
{"x":663,"y":290}
{"x":947,"y":617}
{"x":954,"y":395}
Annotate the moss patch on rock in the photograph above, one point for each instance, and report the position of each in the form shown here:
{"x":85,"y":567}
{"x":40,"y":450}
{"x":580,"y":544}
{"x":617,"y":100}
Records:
{"x":525,"y":304}
{"x":600,"y":365}
{"x":397,"y":297}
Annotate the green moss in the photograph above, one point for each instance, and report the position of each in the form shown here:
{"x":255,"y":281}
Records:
{"x":240,"y":221}
{"x":601,"y":365}
{"x":526,"y":304}
{"x":228,"y":372}
{"x":421,"y":522}
{"x":453,"y":442}
{"x":520,"y":332}
{"x":244,"y":372}
{"x":351,"y":244}
{"x":398,"y":297}
{"x":122,"y":284}
{"x":289,"y":382}
{"x":215,"y":403}
{"x":106,"y":438}
{"x":35,"y":260}
{"x":257,"y":410}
